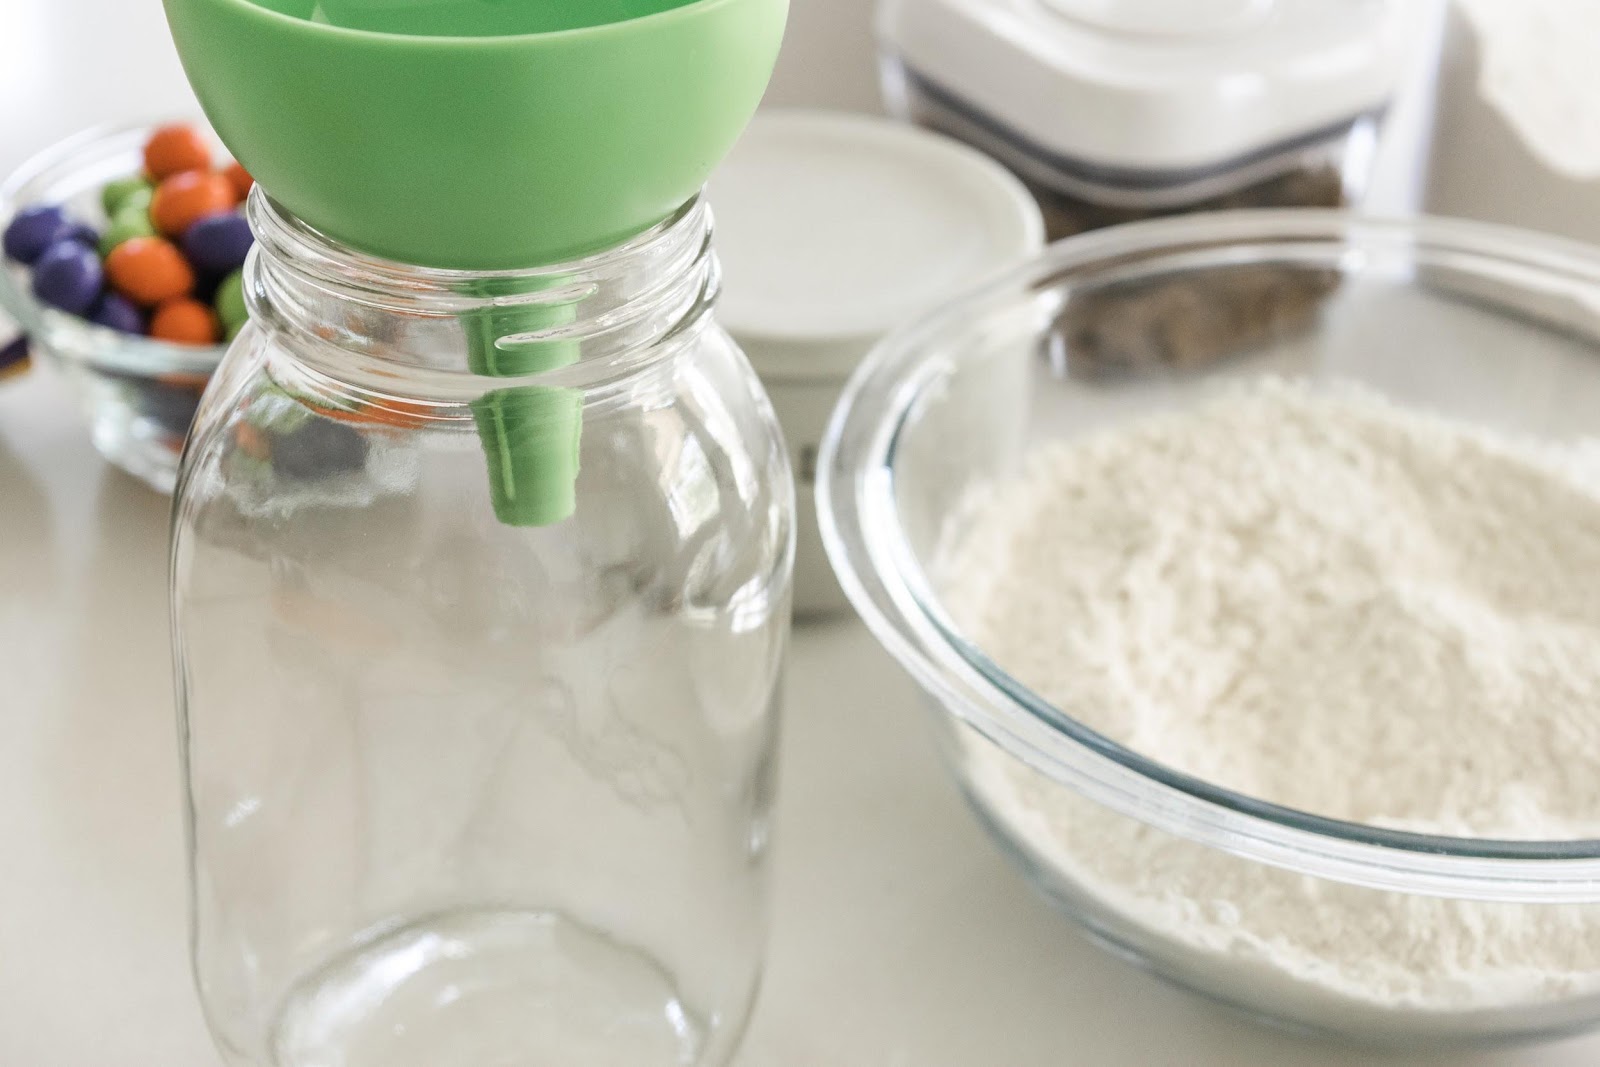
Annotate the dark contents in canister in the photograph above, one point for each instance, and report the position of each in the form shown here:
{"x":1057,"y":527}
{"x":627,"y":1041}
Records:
{"x":1183,"y":320}
{"x":1149,"y":321}
{"x":1188,"y":319}
{"x":1308,"y":185}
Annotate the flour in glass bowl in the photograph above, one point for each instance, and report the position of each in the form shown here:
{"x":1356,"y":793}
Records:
{"x":1315,"y":597}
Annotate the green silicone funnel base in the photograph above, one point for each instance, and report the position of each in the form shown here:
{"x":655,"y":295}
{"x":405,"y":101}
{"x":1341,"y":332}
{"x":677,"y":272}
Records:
{"x":530,"y":437}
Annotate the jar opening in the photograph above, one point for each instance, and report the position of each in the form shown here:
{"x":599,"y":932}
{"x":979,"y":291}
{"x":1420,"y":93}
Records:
{"x":600,"y":309}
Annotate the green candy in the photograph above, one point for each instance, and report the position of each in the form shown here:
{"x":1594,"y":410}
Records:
{"x":233,"y":331}
{"x":114,"y":197}
{"x":230,"y":303}
{"x":132,"y":221}
{"x":138,"y":200}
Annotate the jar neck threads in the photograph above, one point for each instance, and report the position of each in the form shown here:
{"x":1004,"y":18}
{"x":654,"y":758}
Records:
{"x":519,"y":348}
{"x":600,"y":311}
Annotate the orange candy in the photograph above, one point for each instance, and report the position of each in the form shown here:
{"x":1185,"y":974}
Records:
{"x":148,"y":270}
{"x":251,"y":441}
{"x":390,"y":411}
{"x":186,"y":322}
{"x":184,"y":199}
{"x":174,"y":149}
{"x":239,"y":178}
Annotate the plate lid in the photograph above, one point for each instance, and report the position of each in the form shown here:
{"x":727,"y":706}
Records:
{"x":833,"y":228}
{"x":1159,"y":85}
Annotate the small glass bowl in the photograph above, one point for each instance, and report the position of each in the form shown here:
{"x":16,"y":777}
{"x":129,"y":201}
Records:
{"x":139,"y":394}
{"x":1480,"y":323}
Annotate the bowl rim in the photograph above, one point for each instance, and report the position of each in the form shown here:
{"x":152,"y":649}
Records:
{"x":144,"y":355}
{"x":876,"y":567}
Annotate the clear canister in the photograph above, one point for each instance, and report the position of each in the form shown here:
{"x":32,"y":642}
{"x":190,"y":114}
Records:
{"x":1113,"y":111}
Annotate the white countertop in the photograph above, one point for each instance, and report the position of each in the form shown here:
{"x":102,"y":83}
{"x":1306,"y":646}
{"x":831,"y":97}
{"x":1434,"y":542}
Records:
{"x":902,"y":939}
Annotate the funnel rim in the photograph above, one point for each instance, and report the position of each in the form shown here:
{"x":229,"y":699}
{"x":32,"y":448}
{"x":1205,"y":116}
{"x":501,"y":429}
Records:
{"x":429,"y":42}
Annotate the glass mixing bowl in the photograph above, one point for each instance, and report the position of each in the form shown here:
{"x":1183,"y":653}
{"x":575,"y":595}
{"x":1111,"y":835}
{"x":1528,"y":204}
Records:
{"x":138,"y":394}
{"x":1483,"y":324}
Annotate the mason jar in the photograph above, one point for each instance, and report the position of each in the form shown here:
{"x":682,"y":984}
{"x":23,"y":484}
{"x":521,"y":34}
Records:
{"x":481,"y":593}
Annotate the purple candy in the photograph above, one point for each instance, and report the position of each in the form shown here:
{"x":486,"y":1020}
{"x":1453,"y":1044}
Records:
{"x":218,"y":243}
{"x":33,"y":230}
{"x":205,"y":286}
{"x":119,"y":313}
{"x":68,"y":276}
{"x":81,"y":232}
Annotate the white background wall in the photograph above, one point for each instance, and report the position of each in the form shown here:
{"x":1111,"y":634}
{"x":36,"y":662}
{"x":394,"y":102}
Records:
{"x":828,"y":58}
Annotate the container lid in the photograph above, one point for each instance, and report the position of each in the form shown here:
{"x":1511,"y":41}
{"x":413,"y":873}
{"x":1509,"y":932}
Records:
{"x":1161,"y":85}
{"x":833,"y":228}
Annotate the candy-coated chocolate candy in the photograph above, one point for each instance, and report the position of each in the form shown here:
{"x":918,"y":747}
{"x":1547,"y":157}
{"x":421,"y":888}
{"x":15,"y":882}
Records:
{"x":239,"y":178}
{"x":14,"y":356}
{"x":117,"y":312}
{"x":186,"y":198}
{"x":186,"y":322}
{"x":116,"y":194}
{"x":68,"y":276}
{"x":33,"y":230}
{"x":81,"y":232}
{"x":318,"y":448}
{"x":132,"y":221}
{"x":251,"y":440}
{"x":170,"y":407}
{"x":218,"y":243}
{"x":174,"y":149}
{"x":183,"y":380}
{"x":149,"y":270}
{"x":205,"y":287}
{"x":230,"y":301}
{"x":138,"y":200}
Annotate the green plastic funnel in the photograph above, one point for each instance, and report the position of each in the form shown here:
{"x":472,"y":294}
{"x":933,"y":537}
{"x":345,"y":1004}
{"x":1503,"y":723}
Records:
{"x":479,"y":134}
{"x":485,"y":135}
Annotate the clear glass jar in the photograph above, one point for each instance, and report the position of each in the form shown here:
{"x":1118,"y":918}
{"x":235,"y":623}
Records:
{"x":469,"y":784}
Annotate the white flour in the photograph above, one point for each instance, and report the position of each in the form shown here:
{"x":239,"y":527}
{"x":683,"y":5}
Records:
{"x":1326,"y":601}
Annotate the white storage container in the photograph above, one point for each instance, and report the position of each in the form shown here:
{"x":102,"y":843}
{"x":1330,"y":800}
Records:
{"x":1114,"y":110}
{"x":832,"y":229}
